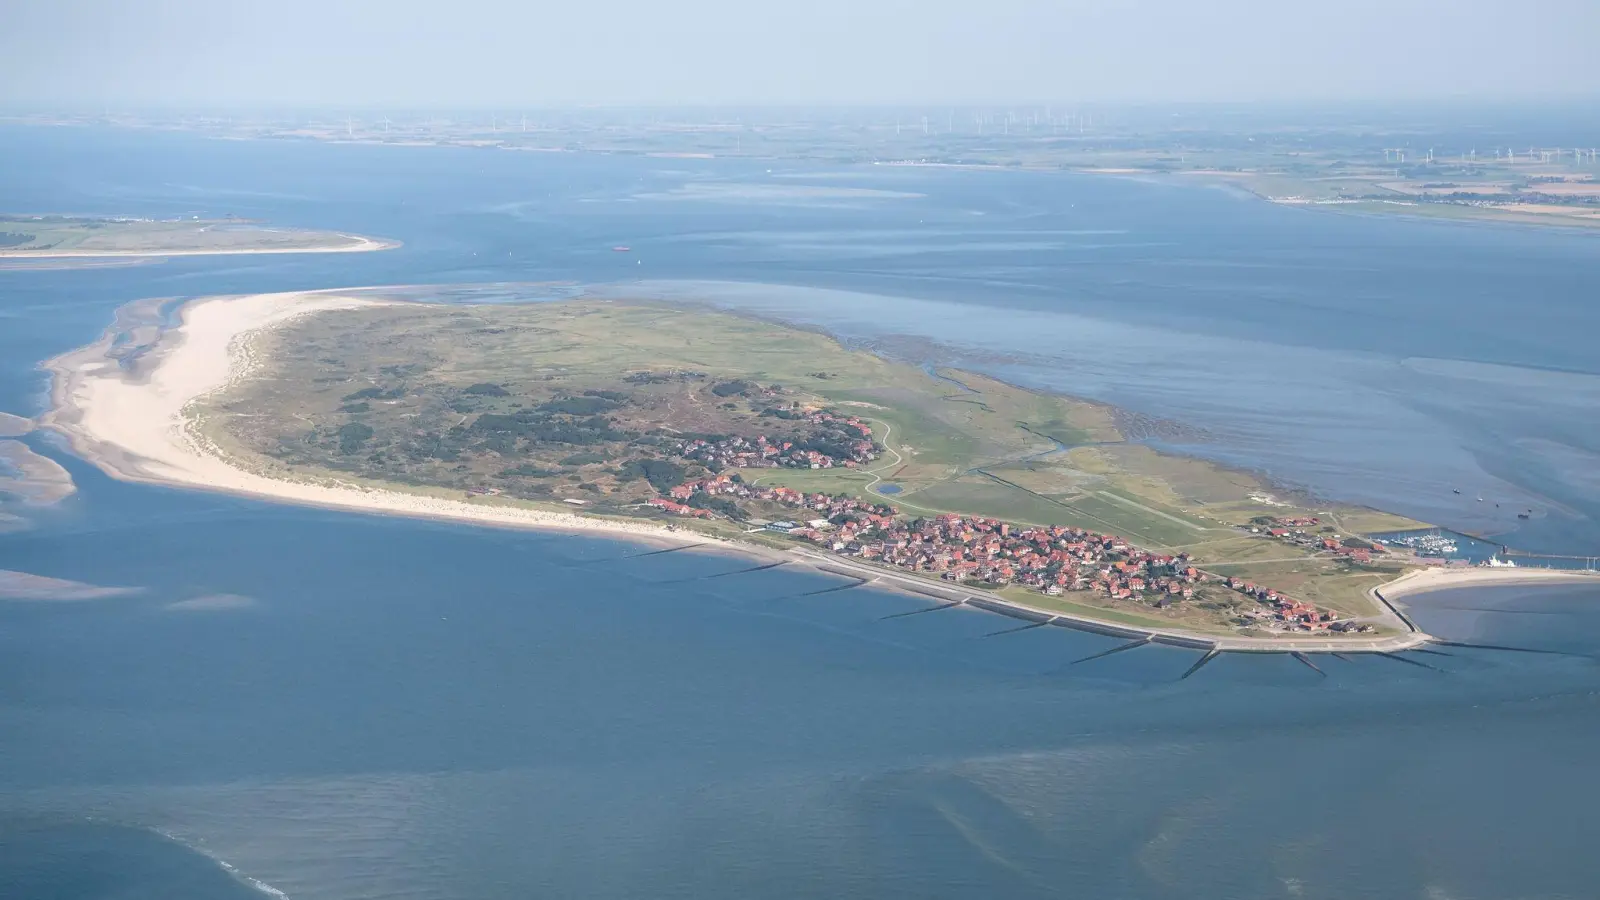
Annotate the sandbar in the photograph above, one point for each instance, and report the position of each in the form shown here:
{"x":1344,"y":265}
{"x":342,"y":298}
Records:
{"x":39,"y":480}
{"x":27,"y":586}
{"x":359,"y":244}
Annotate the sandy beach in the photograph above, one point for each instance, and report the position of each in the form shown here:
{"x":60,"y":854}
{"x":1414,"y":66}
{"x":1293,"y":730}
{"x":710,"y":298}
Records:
{"x":361,"y":245}
{"x":137,"y":427}
{"x":1447,"y":578}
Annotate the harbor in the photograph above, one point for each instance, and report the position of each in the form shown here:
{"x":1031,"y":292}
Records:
{"x":1443,"y":546}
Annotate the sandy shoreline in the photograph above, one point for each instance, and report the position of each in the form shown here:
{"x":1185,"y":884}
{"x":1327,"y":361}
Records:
{"x":138,"y":427}
{"x":1443,"y":579}
{"x":361,"y":245}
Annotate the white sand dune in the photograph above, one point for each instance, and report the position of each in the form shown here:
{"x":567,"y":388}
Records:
{"x":1448,"y":578}
{"x":139,"y":427}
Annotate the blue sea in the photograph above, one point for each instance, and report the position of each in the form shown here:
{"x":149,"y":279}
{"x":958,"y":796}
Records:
{"x":313,"y":704}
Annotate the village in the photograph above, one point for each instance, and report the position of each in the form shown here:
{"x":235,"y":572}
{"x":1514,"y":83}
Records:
{"x":846,"y":441}
{"x":991,"y":553}
{"x":1297,"y":531}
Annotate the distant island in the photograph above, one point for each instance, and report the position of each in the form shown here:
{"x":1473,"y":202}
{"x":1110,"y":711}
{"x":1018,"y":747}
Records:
{"x":1401,"y":161}
{"x":1527,"y":191}
{"x":657,"y":422}
{"x":70,"y":237}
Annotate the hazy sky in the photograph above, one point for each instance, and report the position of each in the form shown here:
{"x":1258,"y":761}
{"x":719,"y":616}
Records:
{"x":406,"y":53}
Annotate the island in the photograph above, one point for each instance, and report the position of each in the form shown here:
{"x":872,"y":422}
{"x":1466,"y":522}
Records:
{"x":24,"y":237}
{"x":707,"y":428}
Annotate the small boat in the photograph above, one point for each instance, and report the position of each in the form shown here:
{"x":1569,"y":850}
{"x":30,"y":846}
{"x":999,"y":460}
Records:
{"x":1524,"y":515}
{"x":621,"y":248}
{"x":1456,"y":491}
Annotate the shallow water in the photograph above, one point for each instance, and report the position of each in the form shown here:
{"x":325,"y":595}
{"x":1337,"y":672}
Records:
{"x":339,"y":706}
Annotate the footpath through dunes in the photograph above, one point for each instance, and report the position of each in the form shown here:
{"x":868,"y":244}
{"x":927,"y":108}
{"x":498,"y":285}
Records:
{"x":581,"y":415}
{"x":66,"y":237}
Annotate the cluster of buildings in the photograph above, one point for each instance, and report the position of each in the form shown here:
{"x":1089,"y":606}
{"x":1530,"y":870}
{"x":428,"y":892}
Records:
{"x":828,"y":508}
{"x":679,"y":509}
{"x":1287,"y":614}
{"x":1293,"y":531}
{"x":849,"y":444}
{"x":1051,"y":559}
{"x":1359,"y":554}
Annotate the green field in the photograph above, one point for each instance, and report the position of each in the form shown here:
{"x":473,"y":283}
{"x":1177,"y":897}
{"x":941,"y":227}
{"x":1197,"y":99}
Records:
{"x":77,"y":236}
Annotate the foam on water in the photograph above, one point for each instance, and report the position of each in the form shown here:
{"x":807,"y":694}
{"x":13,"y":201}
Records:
{"x":200,"y":848}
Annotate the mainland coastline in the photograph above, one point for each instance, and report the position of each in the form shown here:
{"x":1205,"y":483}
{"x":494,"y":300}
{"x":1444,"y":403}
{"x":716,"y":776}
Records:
{"x":136,"y":421}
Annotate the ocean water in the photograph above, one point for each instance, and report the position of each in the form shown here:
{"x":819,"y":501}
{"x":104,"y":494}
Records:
{"x":323,"y":705}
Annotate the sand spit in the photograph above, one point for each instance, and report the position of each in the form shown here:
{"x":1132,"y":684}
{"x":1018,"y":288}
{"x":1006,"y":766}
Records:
{"x":1450,"y":578}
{"x":140,"y":427}
{"x":14,"y":426}
{"x":360,"y":245}
{"x":27,"y":586}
